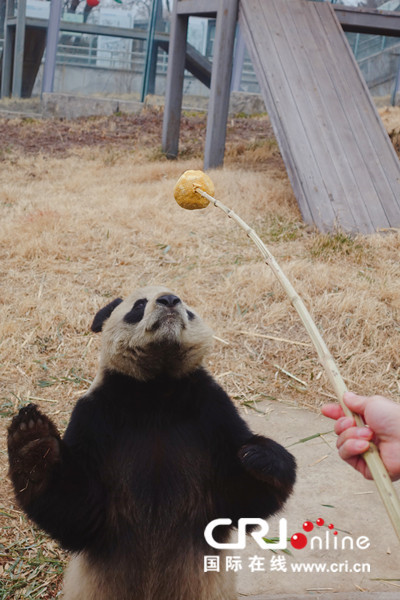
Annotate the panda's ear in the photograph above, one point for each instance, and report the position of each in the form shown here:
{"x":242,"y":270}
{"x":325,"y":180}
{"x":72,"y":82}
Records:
{"x":103,"y":315}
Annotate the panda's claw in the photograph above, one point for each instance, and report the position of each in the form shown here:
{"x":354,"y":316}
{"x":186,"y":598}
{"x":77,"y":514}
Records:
{"x":29,"y":425}
{"x":34,"y":447}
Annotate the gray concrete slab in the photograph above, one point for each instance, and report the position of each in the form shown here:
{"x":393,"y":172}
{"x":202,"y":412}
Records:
{"x":20,"y":108}
{"x":71,"y":107}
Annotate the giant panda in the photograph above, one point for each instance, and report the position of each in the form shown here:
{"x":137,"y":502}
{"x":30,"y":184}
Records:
{"x":154,"y":451}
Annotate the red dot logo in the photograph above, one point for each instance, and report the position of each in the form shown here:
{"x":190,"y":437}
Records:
{"x":320,"y":522}
{"x":308,"y":526}
{"x":298,"y":541}
{"x":331,"y":526}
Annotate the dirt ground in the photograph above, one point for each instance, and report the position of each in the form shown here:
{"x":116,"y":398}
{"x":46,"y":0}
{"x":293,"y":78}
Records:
{"x":361,"y":557}
{"x":87,"y":213}
{"x":124,"y":132}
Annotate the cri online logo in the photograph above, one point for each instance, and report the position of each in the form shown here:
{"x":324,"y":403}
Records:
{"x":298,"y":540}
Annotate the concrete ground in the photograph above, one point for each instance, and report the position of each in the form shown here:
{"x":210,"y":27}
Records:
{"x":333,"y":596}
{"x":364,"y":554}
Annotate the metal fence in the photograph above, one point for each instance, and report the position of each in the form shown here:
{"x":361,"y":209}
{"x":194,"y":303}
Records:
{"x":90,"y":51}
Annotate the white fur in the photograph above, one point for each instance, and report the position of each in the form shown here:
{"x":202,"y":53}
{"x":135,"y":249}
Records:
{"x":84,"y":581}
{"x":176,"y":347}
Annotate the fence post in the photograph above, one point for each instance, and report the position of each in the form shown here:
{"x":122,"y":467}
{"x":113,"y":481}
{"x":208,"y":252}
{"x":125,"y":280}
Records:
{"x":151,"y":53}
{"x":19,"y":45}
{"x":7,"y":51}
{"x":53,"y":32}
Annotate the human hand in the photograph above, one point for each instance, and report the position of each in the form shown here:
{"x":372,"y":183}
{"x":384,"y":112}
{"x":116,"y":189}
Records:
{"x":382,"y":426}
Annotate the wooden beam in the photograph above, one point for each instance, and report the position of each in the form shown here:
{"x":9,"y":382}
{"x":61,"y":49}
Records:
{"x":196,"y":63}
{"x":204,"y":8}
{"x":364,"y":20}
{"x":359,"y":20}
{"x":92,"y":29}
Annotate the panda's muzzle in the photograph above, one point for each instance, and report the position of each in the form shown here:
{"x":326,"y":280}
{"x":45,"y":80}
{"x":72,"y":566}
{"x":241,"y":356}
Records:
{"x":170,"y":308}
{"x":168,"y":300}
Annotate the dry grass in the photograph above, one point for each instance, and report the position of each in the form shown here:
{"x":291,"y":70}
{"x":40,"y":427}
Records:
{"x":80,"y":229}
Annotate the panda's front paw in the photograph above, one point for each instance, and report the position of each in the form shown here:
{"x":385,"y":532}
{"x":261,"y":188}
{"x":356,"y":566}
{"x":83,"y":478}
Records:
{"x":268,"y":461}
{"x":33,"y":449}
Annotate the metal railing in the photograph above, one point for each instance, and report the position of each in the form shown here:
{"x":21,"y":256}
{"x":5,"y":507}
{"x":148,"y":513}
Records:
{"x":364,"y":45}
{"x":82,"y":50}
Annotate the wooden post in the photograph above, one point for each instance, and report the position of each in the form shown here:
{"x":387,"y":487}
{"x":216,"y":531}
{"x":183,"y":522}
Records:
{"x":238,"y":61}
{"x":19,"y":50}
{"x":9,"y":33}
{"x":226,"y":11}
{"x":53,"y":32}
{"x":174,"y":90}
{"x":3,"y":6}
{"x":218,"y":105}
{"x":396,"y":84}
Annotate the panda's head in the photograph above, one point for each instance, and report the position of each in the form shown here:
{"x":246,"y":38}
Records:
{"x":151,"y":333}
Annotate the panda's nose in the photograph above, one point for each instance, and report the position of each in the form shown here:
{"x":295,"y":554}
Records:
{"x":168,"y":300}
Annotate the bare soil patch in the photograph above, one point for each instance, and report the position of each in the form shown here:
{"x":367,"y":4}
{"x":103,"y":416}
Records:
{"x":60,"y":137}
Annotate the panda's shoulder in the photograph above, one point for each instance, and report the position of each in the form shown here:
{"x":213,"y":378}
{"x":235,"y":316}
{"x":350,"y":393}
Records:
{"x":91,"y":417}
{"x":218,"y":408}
{"x":205,"y":382}
{"x":85,"y":419}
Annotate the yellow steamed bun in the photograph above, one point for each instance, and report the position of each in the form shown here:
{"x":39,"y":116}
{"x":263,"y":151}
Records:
{"x":184,"y":190}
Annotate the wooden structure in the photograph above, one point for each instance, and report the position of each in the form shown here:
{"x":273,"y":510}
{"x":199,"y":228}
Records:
{"x":340,"y":160}
{"x":226,"y":13}
{"x":367,"y":20}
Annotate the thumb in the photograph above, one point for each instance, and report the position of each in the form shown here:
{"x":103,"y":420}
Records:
{"x":356,"y":403}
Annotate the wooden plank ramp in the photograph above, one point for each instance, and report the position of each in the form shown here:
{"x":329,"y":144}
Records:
{"x":341,"y":163}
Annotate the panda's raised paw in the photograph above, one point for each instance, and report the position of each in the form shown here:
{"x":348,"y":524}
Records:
{"x":28,"y":425}
{"x":268,"y":461}
{"x":33,"y":448}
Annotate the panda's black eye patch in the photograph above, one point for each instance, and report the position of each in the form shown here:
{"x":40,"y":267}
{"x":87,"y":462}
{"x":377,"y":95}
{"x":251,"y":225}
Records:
{"x":136,"y":313}
{"x":140,"y":303}
{"x":190,"y":315}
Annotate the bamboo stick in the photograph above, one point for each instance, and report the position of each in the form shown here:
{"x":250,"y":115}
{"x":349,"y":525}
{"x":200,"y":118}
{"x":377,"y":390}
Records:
{"x":371,"y":456}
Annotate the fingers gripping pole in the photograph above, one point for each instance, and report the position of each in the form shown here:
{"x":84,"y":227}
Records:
{"x":371,"y":456}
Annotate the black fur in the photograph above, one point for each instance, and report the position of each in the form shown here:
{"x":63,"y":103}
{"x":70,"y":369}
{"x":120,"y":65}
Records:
{"x":103,"y":315}
{"x":136,"y":314}
{"x":141,"y":461}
